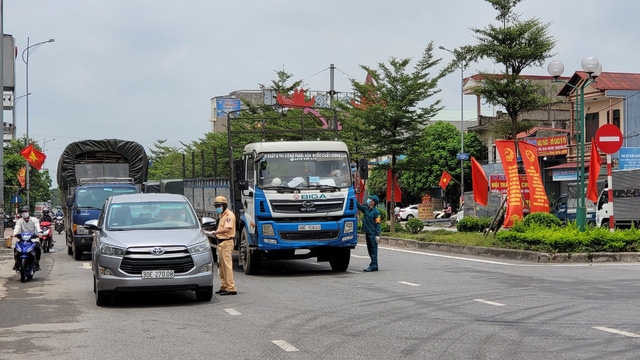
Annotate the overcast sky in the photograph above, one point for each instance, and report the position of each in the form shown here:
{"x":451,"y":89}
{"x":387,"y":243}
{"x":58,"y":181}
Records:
{"x":145,"y":70}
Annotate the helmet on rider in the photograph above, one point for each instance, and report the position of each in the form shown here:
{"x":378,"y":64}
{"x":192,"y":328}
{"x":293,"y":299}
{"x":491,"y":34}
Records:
{"x":24,"y":212}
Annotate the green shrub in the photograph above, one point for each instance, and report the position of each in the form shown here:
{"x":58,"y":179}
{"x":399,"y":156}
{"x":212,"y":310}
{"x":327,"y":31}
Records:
{"x":542,"y":219}
{"x":469,"y":224}
{"x":414,"y":226}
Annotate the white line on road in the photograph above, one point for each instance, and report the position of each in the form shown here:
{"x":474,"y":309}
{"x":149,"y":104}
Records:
{"x":488,"y":302}
{"x":354,"y":272}
{"x":232,"y":311}
{"x":614,"y":331}
{"x":285,"y":345}
{"x":360,"y":256}
{"x":445,"y":256}
{"x":408,"y":283}
{"x":85,"y":265}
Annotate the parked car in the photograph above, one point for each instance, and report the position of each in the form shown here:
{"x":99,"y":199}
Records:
{"x":150,"y":242}
{"x":408,"y":213}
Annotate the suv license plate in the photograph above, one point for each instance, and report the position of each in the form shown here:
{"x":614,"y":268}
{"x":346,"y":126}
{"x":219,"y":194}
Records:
{"x":309,"y":227}
{"x":157,"y":274}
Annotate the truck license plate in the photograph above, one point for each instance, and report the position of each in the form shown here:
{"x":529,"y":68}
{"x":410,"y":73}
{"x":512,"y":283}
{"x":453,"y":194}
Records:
{"x":157,"y":274}
{"x":308,"y":227}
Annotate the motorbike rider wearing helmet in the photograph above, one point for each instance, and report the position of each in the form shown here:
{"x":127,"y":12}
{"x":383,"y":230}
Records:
{"x":59,"y":212}
{"x":225,"y":233}
{"x":46,"y":216}
{"x":30,"y":224}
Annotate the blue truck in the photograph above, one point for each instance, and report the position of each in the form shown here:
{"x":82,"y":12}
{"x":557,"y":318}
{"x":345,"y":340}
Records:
{"x":566,"y":204}
{"x":90,"y":171}
{"x":293,"y":198}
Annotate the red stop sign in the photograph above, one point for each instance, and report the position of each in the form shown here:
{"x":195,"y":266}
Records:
{"x":609,"y":138}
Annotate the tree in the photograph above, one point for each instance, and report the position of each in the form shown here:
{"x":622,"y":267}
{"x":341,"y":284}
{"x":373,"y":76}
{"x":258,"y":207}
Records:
{"x":516,"y":45}
{"x":39,"y":181}
{"x":436,"y":152}
{"x":388,"y":117}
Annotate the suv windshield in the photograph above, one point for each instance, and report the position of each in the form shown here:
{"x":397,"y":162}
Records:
{"x":150,"y":215}
{"x":303,"y":169}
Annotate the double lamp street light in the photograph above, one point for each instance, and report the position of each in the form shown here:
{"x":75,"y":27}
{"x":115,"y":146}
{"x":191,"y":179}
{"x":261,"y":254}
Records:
{"x":25,"y":58}
{"x":592,"y":67}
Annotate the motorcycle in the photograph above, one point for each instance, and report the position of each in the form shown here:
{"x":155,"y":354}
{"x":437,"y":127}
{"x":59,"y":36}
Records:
{"x":9,"y":221}
{"x":47,"y":236}
{"x":25,"y":252}
{"x":59,"y":224}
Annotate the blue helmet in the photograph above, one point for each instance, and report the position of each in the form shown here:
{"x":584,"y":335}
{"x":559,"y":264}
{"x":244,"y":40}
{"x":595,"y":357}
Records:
{"x":375,"y":199}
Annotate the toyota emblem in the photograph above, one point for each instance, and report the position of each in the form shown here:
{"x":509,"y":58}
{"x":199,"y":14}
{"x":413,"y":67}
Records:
{"x":308,"y":204}
{"x":157,"y":251}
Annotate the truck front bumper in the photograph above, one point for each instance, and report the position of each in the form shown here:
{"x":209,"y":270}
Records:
{"x":83,"y":242}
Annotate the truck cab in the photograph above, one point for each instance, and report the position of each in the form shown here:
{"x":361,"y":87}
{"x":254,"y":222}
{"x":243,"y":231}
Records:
{"x":298,"y":201}
{"x":86,"y":204}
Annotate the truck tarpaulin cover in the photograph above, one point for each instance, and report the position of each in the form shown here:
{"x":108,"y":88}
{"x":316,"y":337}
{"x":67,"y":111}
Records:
{"x":102,"y":151}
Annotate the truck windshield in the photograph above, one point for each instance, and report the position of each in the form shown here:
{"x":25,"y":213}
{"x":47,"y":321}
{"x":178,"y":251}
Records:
{"x":302,"y":169}
{"x":94,"y":197}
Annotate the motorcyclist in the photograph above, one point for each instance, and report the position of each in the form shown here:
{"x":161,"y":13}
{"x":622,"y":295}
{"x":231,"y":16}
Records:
{"x":28,"y":223}
{"x":46,"y":216}
{"x":59,"y":212}
{"x":447,"y":211}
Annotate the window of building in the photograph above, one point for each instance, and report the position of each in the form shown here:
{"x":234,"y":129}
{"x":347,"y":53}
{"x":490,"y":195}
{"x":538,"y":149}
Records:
{"x":616,"y":118}
{"x":592,"y":123}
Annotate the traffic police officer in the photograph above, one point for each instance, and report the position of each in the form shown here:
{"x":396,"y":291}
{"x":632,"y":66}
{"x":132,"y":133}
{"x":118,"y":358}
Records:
{"x":225,"y":233}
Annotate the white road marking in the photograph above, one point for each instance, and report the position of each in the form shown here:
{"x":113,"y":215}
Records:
{"x":314,"y":263}
{"x":354,"y":272}
{"x":614,"y":331}
{"x":408,"y":283}
{"x":488,"y":302}
{"x":447,"y":256}
{"x":85,"y":265}
{"x":232,"y":311}
{"x":359,"y":256}
{"x":284,"y":345}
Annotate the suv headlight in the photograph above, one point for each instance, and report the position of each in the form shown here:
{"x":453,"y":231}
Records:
{"x":200,"y":248}
{"x":112,"y":250}
{"x":348,"y":227}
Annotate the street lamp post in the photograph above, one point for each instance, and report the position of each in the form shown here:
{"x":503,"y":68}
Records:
{"x":462,"y":66}
{"x":44,"y":144}
{"x":25,"y":58}
{"x":593,"y":68}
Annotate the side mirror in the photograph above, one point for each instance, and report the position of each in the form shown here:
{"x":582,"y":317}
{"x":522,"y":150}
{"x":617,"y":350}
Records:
{"x":363,"y":168}
{"x":243,"y":185}
{"x":70,"y":200}
{"x":238,"y":168}
{"x":92,"y":225}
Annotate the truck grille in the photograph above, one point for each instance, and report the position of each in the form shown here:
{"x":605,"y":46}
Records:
{"x":303,"y":206}
{"x":311,"y":235}
{"x":176,"y":258}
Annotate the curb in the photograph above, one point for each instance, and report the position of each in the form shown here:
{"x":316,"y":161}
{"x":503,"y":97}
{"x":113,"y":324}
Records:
{"x":510,"y":254}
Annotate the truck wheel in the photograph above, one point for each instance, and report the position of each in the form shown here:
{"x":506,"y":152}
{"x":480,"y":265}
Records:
{"x":605,"y":224}
{"x":251,"y":262}
{"x":340,"y":260}
{"x":77,"y":253}
{"x":69,"y":250}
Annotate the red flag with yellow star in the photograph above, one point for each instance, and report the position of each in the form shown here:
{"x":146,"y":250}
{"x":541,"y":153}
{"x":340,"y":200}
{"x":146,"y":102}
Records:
{"x":444,"y":180}
{"x":33,"y":156}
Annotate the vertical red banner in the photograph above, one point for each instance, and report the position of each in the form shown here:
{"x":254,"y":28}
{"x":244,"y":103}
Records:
{"x":538,"y":200}
{"x":507,"y":151}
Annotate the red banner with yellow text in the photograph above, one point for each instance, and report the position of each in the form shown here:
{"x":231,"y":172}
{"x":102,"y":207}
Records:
{"x":507,"y":151}
{"x":538,"y":201}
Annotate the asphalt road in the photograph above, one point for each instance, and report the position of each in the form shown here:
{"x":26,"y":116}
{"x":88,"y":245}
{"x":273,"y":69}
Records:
{"x":419,"y":305}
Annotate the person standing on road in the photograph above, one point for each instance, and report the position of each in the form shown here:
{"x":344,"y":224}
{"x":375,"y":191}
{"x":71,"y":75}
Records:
{"x":396,"y":213}
{"x":371,"y":220}
{"x":225,"y":233}
{"x":28,"y":223}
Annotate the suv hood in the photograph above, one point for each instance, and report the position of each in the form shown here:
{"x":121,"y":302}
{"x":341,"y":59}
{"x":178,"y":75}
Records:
{"x":164,"y":237}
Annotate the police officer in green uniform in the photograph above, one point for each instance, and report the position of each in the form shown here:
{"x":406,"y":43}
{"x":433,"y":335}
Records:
{"x":371,"y":227}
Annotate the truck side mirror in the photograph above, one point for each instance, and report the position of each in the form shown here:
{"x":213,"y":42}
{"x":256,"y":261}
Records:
{"x":243,"y":185}
{"x":69,"y":200}
{"x":363,"y":168}
{"x":238,"y":167}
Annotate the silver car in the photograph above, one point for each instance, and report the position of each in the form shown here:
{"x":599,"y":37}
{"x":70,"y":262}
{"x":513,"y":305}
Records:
{"x":150,"y":242}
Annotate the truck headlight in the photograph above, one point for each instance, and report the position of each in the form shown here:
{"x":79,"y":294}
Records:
{"x":267,"y":230}
{"x":200,"y":248}
{"x":348,"y":227}
{"x":112,"y":250}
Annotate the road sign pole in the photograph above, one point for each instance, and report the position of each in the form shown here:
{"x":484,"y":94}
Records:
{"x":612,"y":223}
